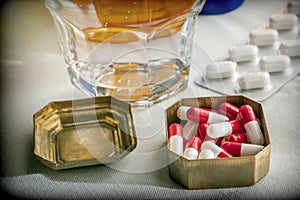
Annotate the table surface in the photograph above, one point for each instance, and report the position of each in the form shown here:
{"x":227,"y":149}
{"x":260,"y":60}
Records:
{"x":33,"y":73}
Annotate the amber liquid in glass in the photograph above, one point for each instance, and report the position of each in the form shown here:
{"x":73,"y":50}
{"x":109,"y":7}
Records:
{"x":145,"y":15}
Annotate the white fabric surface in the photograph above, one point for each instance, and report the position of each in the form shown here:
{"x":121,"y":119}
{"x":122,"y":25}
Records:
{"x":33,"y":73}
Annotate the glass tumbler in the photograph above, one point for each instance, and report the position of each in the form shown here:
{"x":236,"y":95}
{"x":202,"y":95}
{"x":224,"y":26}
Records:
{"x":136,"y":50}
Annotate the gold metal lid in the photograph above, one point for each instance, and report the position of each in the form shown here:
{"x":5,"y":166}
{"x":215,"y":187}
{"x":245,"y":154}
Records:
{"x":83,"y":132}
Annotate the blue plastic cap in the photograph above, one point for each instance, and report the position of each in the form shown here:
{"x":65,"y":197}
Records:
{"x":215,"y":7}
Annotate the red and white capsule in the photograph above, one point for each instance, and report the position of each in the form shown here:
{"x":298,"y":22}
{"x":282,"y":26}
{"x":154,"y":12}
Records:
{"x":222,"y":129}
{"x":229,"y":110}
{"x":175,"y":140}
{"x":199,"y":115}
{"x":251,"y":125}
{"x":202,"y":134}
{"x":218,"y":151}
{"x":206,"y":154}
{"x":209,"y":109}
{"x":241,"y":149}
{"x":236,"y":137}
{"x":190,"y":129}
{"x":192,"y":148}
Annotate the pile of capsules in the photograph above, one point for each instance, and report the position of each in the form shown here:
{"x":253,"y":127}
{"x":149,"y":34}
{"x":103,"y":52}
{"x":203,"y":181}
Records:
{"x":261,"y":37}
{"x":229,"y":132}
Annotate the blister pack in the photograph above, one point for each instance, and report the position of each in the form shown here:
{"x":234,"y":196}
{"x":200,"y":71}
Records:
{"x":263,"y":65}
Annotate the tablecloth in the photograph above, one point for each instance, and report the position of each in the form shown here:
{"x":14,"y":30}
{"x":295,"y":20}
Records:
{"x":33,"y":73}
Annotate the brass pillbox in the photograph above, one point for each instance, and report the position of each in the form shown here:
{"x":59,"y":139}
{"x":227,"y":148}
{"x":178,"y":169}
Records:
{"x":219,"y":172}
{"x":83,"y":132}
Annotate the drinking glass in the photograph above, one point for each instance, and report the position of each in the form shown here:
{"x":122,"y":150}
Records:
{"x":136,"y":50}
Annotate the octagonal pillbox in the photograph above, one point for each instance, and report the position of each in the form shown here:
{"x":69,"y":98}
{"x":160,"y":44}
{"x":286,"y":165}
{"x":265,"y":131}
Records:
{"x":83,"y":132}
{"x":219,"y":172}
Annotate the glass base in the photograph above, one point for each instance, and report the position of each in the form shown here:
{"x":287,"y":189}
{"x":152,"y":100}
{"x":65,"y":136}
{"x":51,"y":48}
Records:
{"x":139,"y":84}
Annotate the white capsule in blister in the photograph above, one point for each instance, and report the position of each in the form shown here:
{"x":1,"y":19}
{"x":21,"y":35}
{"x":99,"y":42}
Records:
{"x":283,"y":21}
{"x":290,"y":47}
{"x":222,"y":69}
{"x":254,"y":80}
{"x":294,"y":7}
{"x":274,"y":63}
{"x":243,"y":53}
{"x":263,"y":37}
